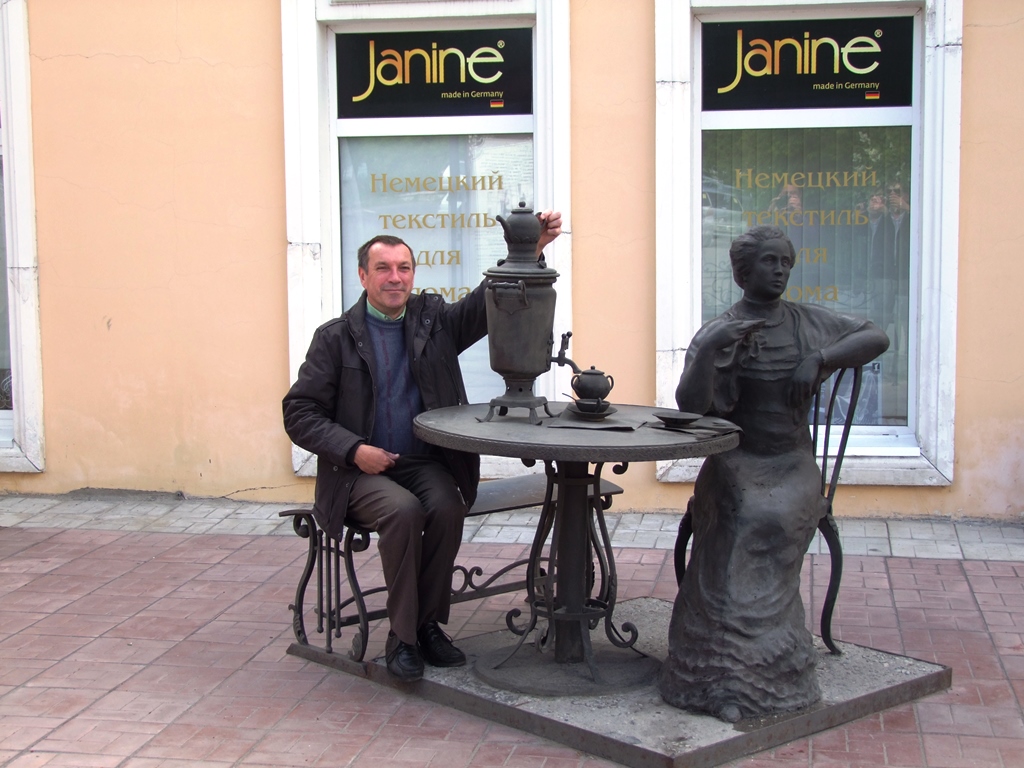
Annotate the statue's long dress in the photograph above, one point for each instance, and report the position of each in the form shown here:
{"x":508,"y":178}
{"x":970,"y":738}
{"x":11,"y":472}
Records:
{"x":738,"y":635}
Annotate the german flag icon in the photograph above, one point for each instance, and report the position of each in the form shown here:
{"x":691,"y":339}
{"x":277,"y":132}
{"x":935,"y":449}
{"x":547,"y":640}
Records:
{"x":497,"y":103}
{"x":872,"y":95}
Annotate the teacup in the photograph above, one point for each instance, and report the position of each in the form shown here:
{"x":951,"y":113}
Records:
{"x":592,"y":405}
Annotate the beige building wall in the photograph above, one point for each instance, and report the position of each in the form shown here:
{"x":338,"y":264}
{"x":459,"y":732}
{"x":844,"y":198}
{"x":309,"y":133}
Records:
{"x":160,"y":207}
{"x":990,"y":343}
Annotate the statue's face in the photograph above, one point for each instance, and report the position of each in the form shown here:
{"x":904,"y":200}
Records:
{"x":769,"y":274}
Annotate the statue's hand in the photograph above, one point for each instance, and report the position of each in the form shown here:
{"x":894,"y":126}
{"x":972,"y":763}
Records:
{"x":806,"y":379}
{"x":729,"y":332}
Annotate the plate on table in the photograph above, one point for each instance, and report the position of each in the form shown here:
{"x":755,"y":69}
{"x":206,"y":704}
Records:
{"x":673,"y":418}
{"x":590,"y":415}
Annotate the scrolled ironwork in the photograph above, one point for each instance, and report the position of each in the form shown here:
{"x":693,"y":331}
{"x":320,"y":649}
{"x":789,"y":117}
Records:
{"x":303,"y":525}
{"x":468,"y":584}
{"x":359,"y":642}
{"x":360,"y":544}
{"x":615,"y":636}
{"x":300,"y":524}
{"x":538,"y":596}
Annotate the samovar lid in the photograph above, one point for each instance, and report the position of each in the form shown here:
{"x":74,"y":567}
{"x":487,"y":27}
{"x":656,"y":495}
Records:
{"x":522,"y":231}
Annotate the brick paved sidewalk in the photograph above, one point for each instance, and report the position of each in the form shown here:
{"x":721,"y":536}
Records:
{"x":141,"y":645}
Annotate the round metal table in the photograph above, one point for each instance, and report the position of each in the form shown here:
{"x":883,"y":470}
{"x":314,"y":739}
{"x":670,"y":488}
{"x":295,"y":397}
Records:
{"x":569,"y":444}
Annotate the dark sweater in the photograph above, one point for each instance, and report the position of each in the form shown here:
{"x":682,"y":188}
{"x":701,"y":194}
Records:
{"x":398,"y":399}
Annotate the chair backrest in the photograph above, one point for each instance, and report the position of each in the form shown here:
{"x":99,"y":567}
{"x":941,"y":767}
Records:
{"x":829,"y":481}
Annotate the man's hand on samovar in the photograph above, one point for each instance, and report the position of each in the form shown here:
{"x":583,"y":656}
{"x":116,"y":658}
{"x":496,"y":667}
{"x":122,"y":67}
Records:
{"x":550,"y":228}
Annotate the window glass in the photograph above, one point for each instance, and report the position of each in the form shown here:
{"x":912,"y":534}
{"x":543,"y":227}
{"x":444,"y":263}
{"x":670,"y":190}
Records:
{"x":6,"y":399}
{"x":842,"y":196}
{"x":440,"y":194}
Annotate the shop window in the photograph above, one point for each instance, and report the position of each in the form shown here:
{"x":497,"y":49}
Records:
{"x":818,"y":125}
{"x":430,"y":150}
{"x":403,"y":120}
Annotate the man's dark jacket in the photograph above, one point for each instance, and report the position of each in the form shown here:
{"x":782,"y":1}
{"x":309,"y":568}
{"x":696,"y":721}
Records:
{"x":330,"y":409}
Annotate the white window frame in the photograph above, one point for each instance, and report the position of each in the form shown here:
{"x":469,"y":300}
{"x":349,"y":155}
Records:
{"x":678,"y":142}
{"x":311,"y":170}
{"x":24,"y":451}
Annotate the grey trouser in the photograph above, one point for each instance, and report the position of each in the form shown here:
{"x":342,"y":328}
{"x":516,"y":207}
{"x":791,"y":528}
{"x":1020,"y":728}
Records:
{"x":417,"y":511}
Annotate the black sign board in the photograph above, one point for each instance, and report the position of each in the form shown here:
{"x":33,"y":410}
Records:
{"x":810,"y":64}
{"x":437,"y":73}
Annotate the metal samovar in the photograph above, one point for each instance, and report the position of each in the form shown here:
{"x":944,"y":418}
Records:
{"x":520,"y":300}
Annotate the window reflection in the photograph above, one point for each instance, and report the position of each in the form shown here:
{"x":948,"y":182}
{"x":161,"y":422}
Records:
{"x":842,"y":196}
{"x":435,"y":192}
{"x":6,"y":397}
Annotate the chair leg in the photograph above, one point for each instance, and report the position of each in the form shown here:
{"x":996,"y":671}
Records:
{"x":352,"y":545}
{"x":682,"y":539}
{"x":325,"y":590}
{"x":830,"y":532}
{"x":327,"y":556}
{"x":303,"y":525}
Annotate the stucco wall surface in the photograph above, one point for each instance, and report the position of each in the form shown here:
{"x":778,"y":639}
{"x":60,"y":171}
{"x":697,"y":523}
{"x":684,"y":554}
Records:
{"x":159,"y":166}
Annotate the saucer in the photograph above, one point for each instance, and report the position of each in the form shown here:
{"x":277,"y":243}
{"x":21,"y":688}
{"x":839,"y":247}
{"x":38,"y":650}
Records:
{"x":591,"y":406}
{"x":674,"y":418}
{"x":589,"y":415}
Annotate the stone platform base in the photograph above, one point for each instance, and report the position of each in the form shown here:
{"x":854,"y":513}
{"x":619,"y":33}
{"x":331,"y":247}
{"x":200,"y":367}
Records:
{"x":622,"y":717}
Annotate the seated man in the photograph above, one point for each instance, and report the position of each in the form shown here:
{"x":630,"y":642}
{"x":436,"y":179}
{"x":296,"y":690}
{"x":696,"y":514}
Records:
{"x":367,"y":374}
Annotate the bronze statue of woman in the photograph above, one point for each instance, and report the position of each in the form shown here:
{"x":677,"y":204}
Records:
{"x":738,"y":643}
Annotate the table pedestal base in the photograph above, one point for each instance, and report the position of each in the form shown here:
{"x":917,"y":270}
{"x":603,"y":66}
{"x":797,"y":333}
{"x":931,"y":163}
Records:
{"x":538,"y":674}
{"x":560,"y":584}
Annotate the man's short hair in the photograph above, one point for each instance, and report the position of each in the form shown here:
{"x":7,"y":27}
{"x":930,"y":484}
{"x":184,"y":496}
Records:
{"x":364,"y":249}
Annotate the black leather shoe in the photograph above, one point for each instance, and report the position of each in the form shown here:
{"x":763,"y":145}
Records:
{"x":404,"y":660}
{"x":437,"y":648}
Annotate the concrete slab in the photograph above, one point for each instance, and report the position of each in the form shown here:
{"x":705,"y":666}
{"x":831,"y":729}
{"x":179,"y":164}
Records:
{"x":634,"y":726}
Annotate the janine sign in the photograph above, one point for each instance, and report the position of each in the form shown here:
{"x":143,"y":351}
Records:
{"x":423,"y":74}
{"x":820,"y":63}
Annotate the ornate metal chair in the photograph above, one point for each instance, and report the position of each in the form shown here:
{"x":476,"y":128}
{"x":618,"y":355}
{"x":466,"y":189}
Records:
{"x":340,"y":599}
{"x":837,"y":400}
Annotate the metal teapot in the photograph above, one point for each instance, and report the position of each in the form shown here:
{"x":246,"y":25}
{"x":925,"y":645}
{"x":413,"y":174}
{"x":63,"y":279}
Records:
{"x":592,"y":384}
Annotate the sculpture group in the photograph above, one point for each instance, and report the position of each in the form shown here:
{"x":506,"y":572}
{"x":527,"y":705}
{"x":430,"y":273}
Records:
{"x":738,"y":643}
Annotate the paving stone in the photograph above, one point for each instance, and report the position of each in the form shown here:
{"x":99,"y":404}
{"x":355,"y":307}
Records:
{"x":133,"y":636}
